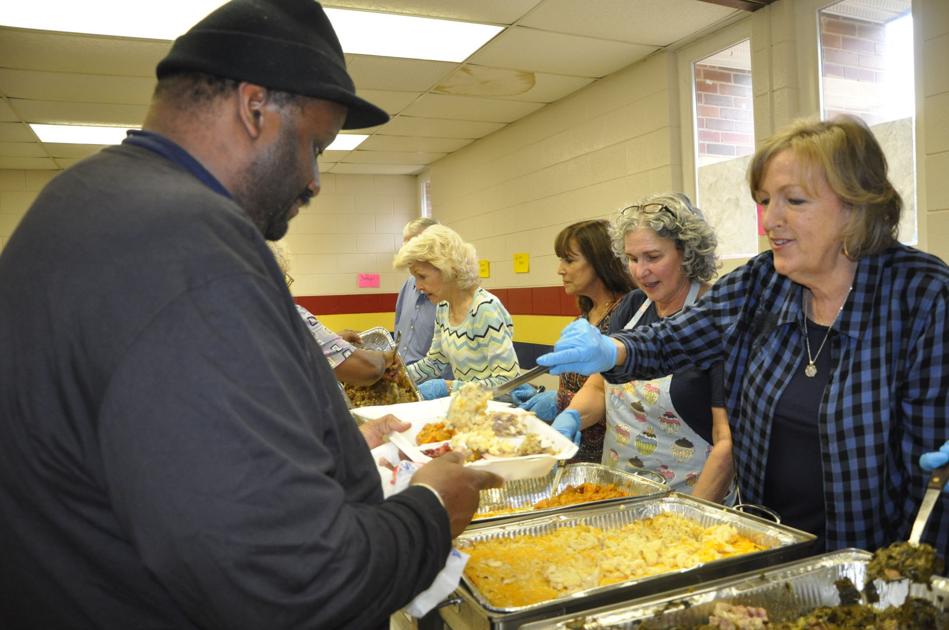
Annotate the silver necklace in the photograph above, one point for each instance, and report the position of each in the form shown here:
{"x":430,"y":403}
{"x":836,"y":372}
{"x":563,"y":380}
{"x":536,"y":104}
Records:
{"x":810,"y":370}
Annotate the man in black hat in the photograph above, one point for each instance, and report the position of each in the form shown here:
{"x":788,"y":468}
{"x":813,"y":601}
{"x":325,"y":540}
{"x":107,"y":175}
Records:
{"x":174,"y":450}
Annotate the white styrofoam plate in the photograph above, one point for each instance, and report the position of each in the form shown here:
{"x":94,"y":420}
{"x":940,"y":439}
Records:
{"x":418,"y":414}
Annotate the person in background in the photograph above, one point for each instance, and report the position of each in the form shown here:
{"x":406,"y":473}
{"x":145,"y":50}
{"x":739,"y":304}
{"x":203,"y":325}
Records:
{"x":674,"y":425}
{"x":174,"y":451}
{"x":356,"y":366}
{"x":599,"y":280}
{"x":414,"y":312}
{"x":474,"y":334}
{"x":835,"y":347}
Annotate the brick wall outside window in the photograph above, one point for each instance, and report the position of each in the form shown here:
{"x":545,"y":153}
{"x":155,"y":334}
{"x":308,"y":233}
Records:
{"x":724,"y":114}
{"x":854,"y":50}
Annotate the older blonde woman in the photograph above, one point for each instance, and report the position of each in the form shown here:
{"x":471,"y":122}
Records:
{"x":836,"y":361}
{"x":474,"y":334}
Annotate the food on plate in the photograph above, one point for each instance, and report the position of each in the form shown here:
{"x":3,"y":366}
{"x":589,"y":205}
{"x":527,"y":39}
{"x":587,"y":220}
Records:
{"x":437,"y":451}
{"x":433,"y":432}
{"x":393,"y":388}
{"x":527,"y":569}
{"x":580,"y":493}
{"x":478,"y":432}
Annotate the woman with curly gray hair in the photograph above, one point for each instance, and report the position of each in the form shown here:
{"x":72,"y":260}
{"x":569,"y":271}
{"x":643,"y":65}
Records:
{"x":474,"y":333}
{"x":674,"y":425}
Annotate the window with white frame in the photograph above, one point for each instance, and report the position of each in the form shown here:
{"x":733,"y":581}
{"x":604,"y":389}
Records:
{"x":723,"y":143}
{"x":866,"y":69}
{"x":425,"y":196}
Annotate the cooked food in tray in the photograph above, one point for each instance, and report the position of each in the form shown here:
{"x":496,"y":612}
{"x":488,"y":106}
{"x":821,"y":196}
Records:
{"x":471,"y":428}
{"x":903,"y":560}
{"x":527,"y":569}
{"x":913,"y":614}
{"x":571,"y":495}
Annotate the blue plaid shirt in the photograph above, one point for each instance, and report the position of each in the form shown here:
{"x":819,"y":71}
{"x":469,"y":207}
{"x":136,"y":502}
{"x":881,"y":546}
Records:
{"x":886,"y":403}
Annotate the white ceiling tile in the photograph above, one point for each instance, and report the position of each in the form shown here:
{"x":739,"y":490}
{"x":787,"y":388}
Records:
{"x":27,"y":163}
{"x":392,"y":102}
{"x":22,"y":149}
{"x":65,"y":162}
{"x":504,"y":83}
{"x":470,"y":108}
{"x":390,"y":73}
{"x":487,"y":11}
{"x":88,"y":88}
{"x":64,"y":52}
{"x":392,"y":157}
{"x":650,"y":22}
{"x":384,"y":142}
{"x":6,"y":114}
{"x":378,"y":169}
{"x":557,"y":53}
{"x":61,"y":150}
{"x":90,"y":113}
{"x":436,"y":128}
{"x":16,"y":132}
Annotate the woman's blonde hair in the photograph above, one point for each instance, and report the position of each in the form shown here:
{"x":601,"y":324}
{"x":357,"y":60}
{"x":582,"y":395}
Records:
{"x":851,"y":160}
{"x":444,"y":249}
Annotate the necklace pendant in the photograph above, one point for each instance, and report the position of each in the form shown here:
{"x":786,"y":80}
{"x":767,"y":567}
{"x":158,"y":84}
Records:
{"x":810,"y":371}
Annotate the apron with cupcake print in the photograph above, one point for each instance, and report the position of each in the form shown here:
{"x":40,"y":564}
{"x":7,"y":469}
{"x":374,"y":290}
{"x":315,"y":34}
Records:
{"x":643,"y":429}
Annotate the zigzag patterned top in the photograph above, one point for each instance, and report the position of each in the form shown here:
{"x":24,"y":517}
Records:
{"x":480,"y":349}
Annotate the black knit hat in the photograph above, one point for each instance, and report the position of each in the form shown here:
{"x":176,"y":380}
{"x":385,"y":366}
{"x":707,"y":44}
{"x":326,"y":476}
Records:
{"x":286,"y":45}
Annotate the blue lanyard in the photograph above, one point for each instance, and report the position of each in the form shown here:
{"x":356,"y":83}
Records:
{"x":174,"y":153}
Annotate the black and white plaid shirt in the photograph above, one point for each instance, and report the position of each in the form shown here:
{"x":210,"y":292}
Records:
{"x":887,"y":401}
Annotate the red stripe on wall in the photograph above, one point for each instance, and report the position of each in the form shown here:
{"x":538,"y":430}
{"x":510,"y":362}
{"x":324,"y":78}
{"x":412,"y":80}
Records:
{"x":518,"y":301}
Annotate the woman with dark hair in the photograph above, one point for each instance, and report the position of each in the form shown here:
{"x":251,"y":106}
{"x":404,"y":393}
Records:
{"x":835,"y":345}
{"x":673,"y":424}
{"x":598,"y":280}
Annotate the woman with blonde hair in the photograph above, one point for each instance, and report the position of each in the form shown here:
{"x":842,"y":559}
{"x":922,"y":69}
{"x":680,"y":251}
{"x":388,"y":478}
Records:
{"x":474,"y":334}
{"x":835,"y":345}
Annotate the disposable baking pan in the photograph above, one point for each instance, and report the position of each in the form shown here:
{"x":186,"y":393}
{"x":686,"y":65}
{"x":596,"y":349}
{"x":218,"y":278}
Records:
{"x":783,"y":543}
{"x":522,"y":494}
{"x":381,"y":392}
{"x":787,"y":592}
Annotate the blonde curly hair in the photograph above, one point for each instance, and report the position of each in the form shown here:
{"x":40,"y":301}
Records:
{"x":445,"y":250}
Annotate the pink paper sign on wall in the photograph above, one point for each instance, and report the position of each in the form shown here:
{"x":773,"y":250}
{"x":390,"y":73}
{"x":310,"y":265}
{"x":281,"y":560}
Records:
{"x":368,"y":281}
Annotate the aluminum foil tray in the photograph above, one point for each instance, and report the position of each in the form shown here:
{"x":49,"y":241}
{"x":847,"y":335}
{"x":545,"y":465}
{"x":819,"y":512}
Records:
{"x":787,"y":591}
{"x":382,"y":392}
{"x":784,"y":544}
{"x":524,"y":493}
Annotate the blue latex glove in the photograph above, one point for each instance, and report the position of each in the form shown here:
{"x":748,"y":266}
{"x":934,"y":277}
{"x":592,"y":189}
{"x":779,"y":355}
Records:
{"x":582,"y":348}
{"x":568,"y":424}
{"x":434,"y":388}
{"x":935,"y":459}
{"x":544,"y":405}
{"x":523,"y":393}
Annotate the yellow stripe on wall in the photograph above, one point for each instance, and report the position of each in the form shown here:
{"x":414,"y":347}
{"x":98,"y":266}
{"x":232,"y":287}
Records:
{"x":358,"y":321}
{"x":542,"y":329}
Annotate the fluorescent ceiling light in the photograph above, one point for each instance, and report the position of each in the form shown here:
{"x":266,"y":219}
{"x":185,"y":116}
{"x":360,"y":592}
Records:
{"x":80,"y":134}
{"x":97,"y":134}
{"x":124,"y":18}
{"x":346,"y":142}
{"x":360,"y":32}
{"x":389,"y":35}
